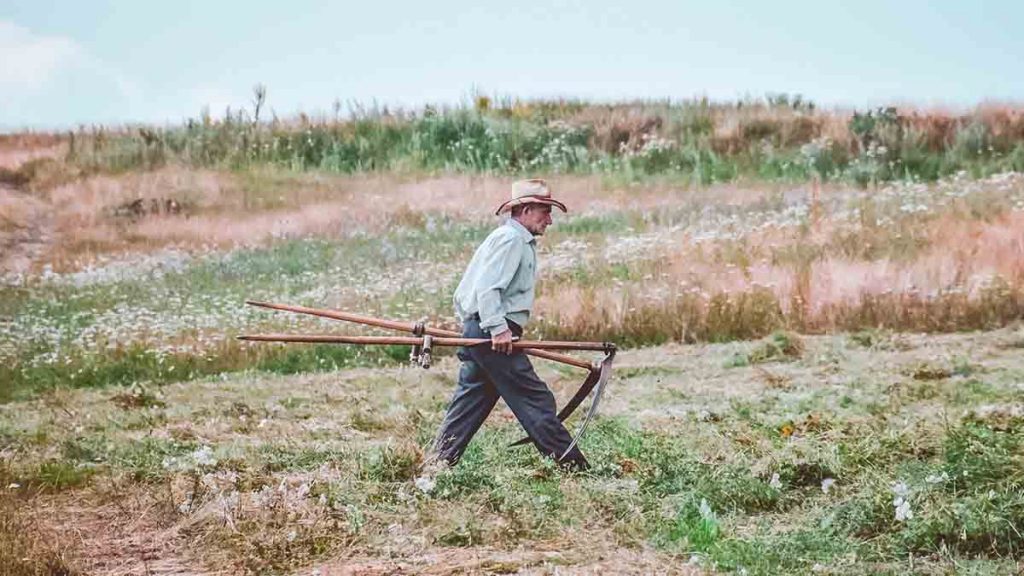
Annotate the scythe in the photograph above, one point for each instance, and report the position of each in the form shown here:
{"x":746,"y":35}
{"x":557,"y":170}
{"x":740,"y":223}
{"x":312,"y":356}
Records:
{"x":425,"y":337}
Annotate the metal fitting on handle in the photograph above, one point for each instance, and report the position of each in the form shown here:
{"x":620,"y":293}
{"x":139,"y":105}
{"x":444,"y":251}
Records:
{"x":416,"y":354}
{"x":425,"y":351}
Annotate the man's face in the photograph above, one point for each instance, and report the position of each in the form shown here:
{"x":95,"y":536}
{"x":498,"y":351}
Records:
{"x":536,"y":218}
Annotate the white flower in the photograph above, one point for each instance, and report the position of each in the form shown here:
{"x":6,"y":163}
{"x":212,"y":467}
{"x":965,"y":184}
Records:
{"x":291,"y":536}
{"x":705,"y":510}
{"x":775,"y":482}
{"x":204,"y":457}
{"x":901,"y":503}
{"x":902,"y":509}
{"x":937,"y":478}
{"x":826,"y":484}
{"x":425,"y":484}
{"x":900,"y":489}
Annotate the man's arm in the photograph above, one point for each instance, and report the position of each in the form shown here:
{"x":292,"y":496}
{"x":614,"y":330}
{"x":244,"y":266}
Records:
{"x":499,"y":267}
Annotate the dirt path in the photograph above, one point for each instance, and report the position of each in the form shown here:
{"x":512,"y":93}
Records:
{"x":491,"y":561}
{"x":123,"y":534}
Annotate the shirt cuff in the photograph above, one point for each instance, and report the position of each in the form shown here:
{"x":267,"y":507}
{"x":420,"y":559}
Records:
{"x":496,"y":327}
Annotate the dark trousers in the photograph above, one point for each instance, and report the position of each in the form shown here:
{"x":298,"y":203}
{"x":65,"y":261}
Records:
{"x":486,"y":375}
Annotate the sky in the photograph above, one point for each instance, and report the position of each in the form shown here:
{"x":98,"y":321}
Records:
{"x":63,"y":64}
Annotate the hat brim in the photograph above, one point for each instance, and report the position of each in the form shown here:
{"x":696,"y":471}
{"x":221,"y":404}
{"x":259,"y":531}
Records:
{"x":530,"y":200}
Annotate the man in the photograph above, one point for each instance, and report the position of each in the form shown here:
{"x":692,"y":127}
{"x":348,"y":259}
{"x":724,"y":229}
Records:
{"x":493,"y":301}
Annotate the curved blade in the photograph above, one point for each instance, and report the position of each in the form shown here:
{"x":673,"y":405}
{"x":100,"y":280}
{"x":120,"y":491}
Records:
{"x":574,"y":402}
{"x":602,"y":383}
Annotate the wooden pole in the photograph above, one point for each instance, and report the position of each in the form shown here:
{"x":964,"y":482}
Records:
{"x":409,"y":327}
{"x":413,"y":341}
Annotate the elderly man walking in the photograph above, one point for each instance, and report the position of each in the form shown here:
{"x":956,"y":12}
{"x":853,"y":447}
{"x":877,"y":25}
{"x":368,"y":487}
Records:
{"x":494,"y":300}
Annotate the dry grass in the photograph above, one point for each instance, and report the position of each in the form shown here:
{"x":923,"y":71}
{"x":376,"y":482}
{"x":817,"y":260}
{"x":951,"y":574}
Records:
{"x":27,"y":547}
{"x":826,"y":292}
{"x":18,"y":149}
{"x":90,"y":217}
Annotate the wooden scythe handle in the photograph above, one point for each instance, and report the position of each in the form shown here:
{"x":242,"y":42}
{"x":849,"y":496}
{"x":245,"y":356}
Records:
{"x":410,"y":327}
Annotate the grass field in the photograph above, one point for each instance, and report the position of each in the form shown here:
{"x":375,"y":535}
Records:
{"x":819,"y":375}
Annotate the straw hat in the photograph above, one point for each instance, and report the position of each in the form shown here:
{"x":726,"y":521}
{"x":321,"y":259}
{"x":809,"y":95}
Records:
{"x":533,"y":191}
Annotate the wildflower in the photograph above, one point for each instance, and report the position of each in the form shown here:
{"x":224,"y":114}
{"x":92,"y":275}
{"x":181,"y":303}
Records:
{"x":902,"y":509}
{"x":425,"y":484}
{"x":900,"y":489}
{"x":937,"y":478}
{"x":901,"y":503}
{"x":705,"y":510}
{"x":826,"y":484}
{"x":204,"y":457}
{"x":291,"y":536}
{"x":776,"y":482}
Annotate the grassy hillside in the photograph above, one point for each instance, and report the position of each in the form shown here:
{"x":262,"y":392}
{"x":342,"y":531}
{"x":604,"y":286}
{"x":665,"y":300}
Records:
{"x":700,"y":142}
{"x":819,"y":311}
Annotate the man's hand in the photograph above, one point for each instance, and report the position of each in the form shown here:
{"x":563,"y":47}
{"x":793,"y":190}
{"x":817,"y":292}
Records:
{"x":502,"y":342}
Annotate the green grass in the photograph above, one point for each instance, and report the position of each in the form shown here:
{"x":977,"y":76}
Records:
{"x":324,"y":463}
{"x":628,"y":142}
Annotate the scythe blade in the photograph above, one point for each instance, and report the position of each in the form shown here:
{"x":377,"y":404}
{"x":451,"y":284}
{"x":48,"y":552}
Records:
{"x":597,"y":379}
{"x":602,"y":383}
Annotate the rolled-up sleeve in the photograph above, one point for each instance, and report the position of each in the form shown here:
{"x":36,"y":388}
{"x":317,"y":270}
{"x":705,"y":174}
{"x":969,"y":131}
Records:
{"x":498,"y":269}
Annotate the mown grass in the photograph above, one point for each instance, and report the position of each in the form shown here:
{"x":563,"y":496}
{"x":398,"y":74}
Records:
{"x":266,"y":473}
{"x":23,"y":551}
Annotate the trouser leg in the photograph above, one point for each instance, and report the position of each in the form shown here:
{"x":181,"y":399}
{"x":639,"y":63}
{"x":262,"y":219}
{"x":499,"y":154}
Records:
{"x":473,"y":400}
{"x":529,"y":398}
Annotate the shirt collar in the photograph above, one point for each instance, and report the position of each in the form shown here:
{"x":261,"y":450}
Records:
{"x":526,"y":234}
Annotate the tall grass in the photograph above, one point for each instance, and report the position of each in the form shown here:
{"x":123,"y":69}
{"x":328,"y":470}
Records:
{"x":777,"y":138}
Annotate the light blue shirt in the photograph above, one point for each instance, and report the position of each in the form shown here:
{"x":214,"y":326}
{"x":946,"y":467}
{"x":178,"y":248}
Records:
{"x":499,"y":281}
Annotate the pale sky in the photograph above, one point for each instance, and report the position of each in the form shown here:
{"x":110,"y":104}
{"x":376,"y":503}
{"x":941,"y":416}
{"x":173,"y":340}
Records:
{"x":118,"y":61}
